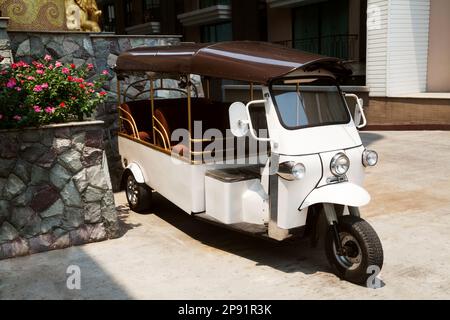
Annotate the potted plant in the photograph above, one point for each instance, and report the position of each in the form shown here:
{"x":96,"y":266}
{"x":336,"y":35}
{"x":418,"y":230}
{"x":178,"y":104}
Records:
{"x":55,"y":189}
{"x":46,"y":92}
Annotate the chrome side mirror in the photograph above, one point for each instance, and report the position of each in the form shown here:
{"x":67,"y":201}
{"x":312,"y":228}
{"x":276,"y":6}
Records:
{"x":359,"y":117}
{"x":239,"y":120}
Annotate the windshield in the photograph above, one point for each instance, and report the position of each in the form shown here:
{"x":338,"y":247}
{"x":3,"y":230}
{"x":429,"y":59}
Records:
{"x":302,"y":106}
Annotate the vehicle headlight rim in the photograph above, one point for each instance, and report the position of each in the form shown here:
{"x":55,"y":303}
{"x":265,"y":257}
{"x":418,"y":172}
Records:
{"x":334,"y":164}
{"x":292,"y":171}
{"x":365,"y":158}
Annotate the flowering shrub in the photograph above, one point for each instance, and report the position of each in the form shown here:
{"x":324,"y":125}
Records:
{"x":47,"y":92}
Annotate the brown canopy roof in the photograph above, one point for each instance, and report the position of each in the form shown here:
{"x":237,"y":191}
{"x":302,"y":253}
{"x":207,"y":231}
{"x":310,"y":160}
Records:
{"x":257,"y":62}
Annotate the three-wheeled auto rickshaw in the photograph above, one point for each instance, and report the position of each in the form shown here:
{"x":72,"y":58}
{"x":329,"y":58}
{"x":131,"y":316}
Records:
{"x":294,"y":152}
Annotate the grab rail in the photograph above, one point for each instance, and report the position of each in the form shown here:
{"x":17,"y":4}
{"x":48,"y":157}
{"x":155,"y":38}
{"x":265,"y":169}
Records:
{"x":131,"y":122}
{"x":164,"y":136}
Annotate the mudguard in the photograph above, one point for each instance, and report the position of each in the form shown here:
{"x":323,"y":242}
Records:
{"x":137,"y":172}
{"x":346,"y":193}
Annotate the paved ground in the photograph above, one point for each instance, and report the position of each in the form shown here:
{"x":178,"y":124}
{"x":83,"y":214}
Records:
{"x":166,"y":255}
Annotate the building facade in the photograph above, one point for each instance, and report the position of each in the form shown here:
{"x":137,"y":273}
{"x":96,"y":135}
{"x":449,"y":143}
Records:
{"x":398,"y":49}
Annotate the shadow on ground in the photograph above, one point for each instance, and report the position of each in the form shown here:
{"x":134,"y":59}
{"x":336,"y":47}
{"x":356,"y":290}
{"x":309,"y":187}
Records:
{"x":369,"y":138}
{"x":289,"y":256}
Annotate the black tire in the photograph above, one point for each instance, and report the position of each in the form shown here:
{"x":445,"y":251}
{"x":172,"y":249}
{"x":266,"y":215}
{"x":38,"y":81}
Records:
{"x":139,"y":196}
{"x":367,"y":250}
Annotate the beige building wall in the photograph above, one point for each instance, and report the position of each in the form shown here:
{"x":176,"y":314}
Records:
{"x":279,"y":24}
{"x":439,"y":47}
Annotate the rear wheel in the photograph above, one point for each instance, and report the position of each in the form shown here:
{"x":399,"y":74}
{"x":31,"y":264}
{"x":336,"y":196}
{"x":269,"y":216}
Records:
{"x":361,"y":249}
{"x":139,"y":195}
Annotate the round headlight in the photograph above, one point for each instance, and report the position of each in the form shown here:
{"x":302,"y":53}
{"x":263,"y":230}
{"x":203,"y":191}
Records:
{"x":340,"y":164}
{"x":370,"y":158}
{"x":298,"y":171}
{"x":291,"y":171}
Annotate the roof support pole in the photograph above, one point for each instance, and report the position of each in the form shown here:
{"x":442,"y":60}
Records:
{"x":119,"y":103}
{"x":251,"y":92}
{"x":152,"y":101}
{"x":188,"y":88}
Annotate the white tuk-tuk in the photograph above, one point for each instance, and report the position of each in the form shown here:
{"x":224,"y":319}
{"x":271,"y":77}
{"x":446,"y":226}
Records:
{"x":270,"y":165}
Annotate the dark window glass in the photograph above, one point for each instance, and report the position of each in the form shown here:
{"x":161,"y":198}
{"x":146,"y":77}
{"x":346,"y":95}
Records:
{"x":152,"y":10}
{"x":109,"y":18}
{"x":210,"y":3}
{"x":129,"y":13}
{"x":217,"y":32}
{"x":310,"y":106}
{"x":323,"y":28}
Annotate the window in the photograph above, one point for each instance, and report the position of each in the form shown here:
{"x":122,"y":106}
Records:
{"x":210,"y":3}
{"x":129,"y":16}
{"x":152,"y":10}
{"x":323,"y":28}
{"x":217,"y":32}
{"x":311,"y":107}
{"x":109,"y":18}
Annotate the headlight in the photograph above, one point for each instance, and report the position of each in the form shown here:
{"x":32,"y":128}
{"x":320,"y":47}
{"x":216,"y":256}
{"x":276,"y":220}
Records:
{"x":340,"y":164}
{"x":369,"y":158}
{"x":292,"y":171}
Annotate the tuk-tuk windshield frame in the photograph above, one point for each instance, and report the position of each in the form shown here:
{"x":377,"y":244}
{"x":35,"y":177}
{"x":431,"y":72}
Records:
{"x":317,"y":85}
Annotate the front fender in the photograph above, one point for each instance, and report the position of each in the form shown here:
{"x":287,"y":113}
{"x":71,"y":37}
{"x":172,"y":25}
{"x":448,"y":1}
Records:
{"x":137,"y":172}
{"x":346,"y":193}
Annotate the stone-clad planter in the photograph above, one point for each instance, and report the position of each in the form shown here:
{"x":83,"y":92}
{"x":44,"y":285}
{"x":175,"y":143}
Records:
{"x":55,"y":189}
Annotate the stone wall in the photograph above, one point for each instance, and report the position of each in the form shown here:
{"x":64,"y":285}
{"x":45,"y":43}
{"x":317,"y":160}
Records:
{"x":55,"y":189}
{"x":99,"y":49}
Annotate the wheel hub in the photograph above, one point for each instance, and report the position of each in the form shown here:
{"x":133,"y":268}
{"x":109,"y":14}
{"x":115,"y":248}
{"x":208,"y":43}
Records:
{"x":132,"y":191}
{"x":351,"y":257}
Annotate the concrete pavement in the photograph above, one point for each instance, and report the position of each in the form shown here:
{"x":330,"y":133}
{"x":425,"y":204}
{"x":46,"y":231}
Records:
{"x":168,"y":255}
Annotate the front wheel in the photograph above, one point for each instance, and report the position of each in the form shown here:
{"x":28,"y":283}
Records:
{"x":361,"y":249}
{"x":139,"y":196}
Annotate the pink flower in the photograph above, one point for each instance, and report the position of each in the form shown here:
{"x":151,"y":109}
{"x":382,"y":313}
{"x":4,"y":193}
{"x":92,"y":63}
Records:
{"x":90,"y":84}
{"x":50,"y":110}
{"x":19,"y":65}
{"x":58,"y":64}
{"x":103,"y":93}
{"x":11,"y":83}
{"x":105,"y":72}
{"x":44,"y":85}
{"x":1,"y":116}
{"x":48,"y":57}
{"x":17,"y":118}
{"x":50,"y":67}
{"x":31,"y":78}
{"x":37,"y":88}
{"x":37,"y":109}
{"x":40,"y":71}
{"x":18,"y":89}
{"x":65,"y":70}
{"x":90,"y":66}
{"x":37,"y":64}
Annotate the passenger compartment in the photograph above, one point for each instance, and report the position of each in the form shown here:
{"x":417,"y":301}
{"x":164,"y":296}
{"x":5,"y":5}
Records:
{"x":172,"y":114}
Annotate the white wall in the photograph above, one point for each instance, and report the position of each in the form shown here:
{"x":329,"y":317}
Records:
{"x":397,"y":52}
{"x":377,"y":25}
